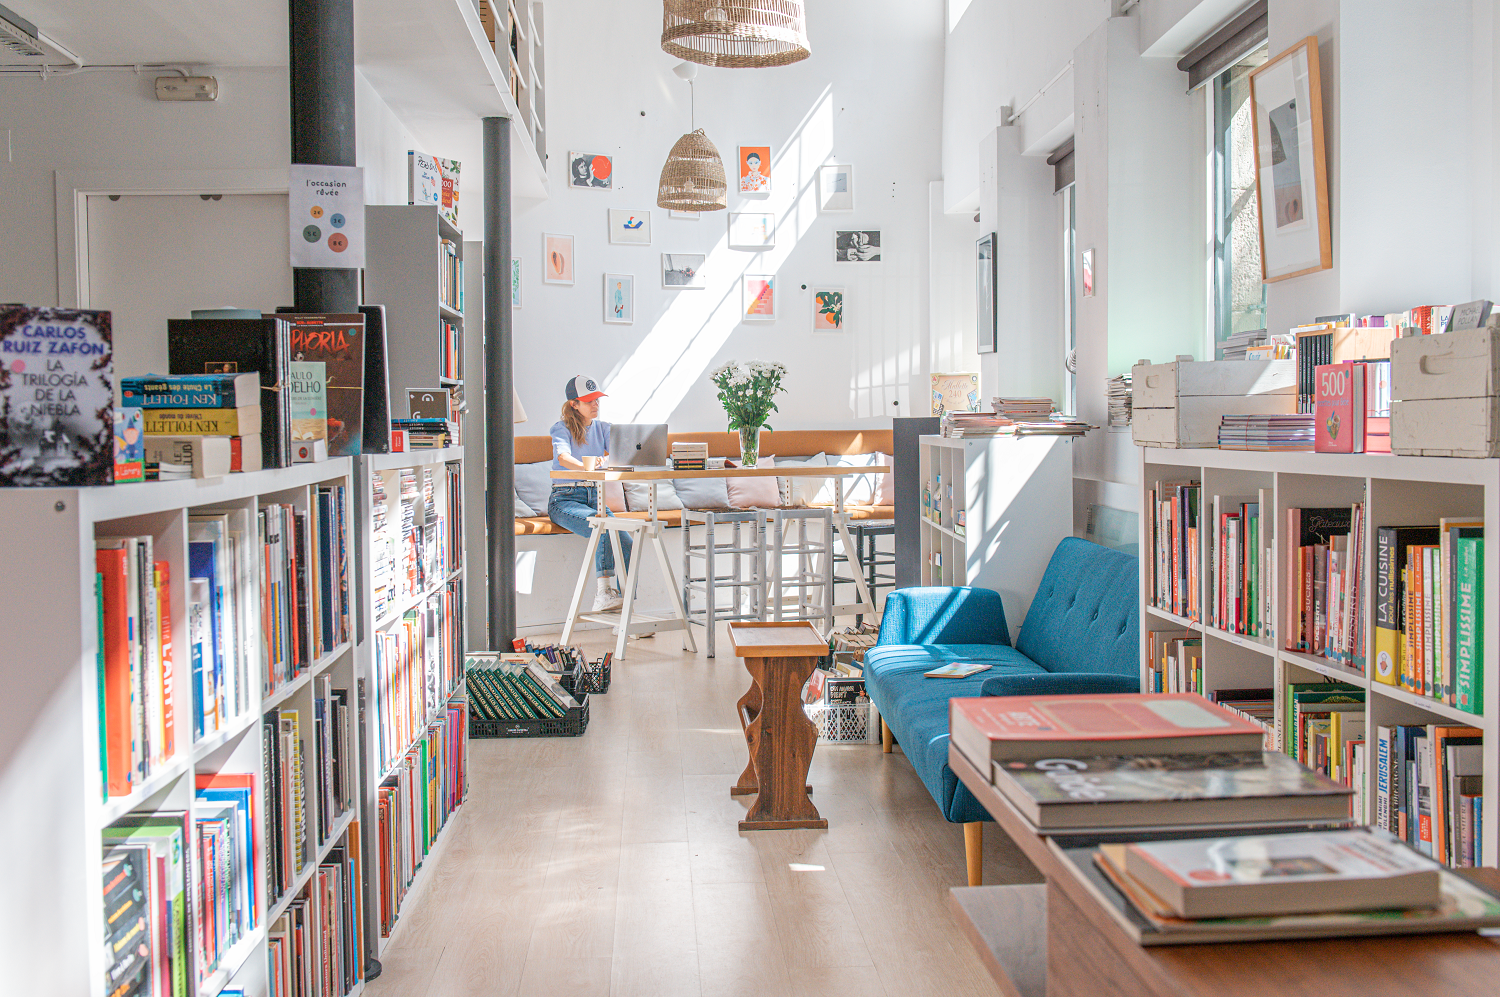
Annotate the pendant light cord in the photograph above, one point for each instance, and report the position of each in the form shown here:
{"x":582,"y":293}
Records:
{"x":692,"y":106}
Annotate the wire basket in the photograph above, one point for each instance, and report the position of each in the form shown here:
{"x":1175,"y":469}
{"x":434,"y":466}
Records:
{"x":845,"y":723}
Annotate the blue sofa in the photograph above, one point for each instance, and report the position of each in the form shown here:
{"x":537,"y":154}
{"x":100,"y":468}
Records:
{"x":1082,"y":634}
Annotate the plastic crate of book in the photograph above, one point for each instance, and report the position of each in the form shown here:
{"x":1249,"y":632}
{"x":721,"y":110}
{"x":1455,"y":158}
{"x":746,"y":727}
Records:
{"x":592,"y":677}
{"x":508,"y":698}
{"x":845,"y":723}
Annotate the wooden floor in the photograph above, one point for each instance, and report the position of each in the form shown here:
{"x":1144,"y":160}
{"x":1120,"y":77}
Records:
{"x":611,"y":864}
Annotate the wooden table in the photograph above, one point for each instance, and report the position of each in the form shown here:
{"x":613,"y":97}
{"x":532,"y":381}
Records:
{"x":1086,"y":953}
{"x":626,"y":620}
{"x":780,"y":658}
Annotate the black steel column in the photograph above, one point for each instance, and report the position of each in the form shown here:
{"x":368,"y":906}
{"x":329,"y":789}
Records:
{"x":499,"y":387}
{"x":322,"y":90}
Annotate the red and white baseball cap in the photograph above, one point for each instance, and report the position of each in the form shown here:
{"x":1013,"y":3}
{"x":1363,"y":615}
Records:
{"x":583,"y":389}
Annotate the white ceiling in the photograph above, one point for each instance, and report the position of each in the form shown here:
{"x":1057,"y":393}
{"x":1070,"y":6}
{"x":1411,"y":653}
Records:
{"x":189,"y":32}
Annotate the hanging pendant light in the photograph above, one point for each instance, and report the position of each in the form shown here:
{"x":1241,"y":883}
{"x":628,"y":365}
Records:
{"x":735,"y":34}
{"x":693,"y":177}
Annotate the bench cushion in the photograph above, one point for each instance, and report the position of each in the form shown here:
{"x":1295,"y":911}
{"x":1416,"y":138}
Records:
{"x":1084,"y":617}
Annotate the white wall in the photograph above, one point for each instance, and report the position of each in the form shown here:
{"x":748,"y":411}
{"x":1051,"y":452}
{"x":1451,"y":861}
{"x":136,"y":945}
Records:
{"x":845,"y":104}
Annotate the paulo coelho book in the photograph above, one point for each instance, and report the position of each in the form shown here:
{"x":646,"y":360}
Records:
{"x":57,"y":421}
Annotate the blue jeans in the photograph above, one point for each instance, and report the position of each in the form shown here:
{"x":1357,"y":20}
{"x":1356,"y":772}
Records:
{"x":570,"y":507}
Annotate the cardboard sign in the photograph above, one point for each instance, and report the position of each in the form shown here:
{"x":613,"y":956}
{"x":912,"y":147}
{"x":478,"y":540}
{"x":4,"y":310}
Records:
{"x":327,"y":205}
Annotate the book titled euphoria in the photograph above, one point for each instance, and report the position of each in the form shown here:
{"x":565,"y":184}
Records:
{"x":57,"y":423}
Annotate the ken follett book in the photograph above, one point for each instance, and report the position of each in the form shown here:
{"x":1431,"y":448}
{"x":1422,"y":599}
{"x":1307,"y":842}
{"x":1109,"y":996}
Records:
{"x":57,"y":418}
{"x":338,"y":341}
{"x":240,"y":346}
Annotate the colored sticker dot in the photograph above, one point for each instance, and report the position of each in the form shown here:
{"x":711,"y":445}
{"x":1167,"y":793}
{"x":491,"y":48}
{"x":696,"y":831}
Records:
{"x":336,"y":220}
{"x":312,"y":233}
{"x":317,"y":211}
{"x":338,"y":242}
{"x":17,"y":366}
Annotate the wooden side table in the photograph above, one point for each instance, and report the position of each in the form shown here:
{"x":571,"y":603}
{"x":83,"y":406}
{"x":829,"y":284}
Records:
{"x":780,"y":658}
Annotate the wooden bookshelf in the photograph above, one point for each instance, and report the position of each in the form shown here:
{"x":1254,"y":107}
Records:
{"x":50,"y":751}
{"x":1397,"y":491}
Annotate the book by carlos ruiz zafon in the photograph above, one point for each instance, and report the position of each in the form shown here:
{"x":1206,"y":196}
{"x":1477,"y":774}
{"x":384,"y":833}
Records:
{"x":57,"y":421}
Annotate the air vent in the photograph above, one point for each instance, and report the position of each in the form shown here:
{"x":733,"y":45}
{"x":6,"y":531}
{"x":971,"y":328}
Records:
{"x":18,"y":35}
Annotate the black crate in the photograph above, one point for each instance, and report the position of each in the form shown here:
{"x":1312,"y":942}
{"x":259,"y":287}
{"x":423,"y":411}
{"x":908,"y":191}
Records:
{"x":592,"y":679}
{"x":573,"y":724}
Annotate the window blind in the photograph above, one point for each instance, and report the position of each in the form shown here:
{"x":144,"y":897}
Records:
{"x":1245,"y":32}
{"x":1061,"y":162}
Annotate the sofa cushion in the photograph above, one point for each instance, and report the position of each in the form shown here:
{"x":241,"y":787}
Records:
{"x":755,"y":493}
{"x":524,"y":511}
{"x":1084,"y":616}
{"x":614,"y":497}
{"x":863,"y":512}
{"x":858,"y":490}
{"x":534,"y":484}
{"x":793,"y":495}
{"x":886,"y":493}
{"x":702,"y":493}
{"x":638,"y":496}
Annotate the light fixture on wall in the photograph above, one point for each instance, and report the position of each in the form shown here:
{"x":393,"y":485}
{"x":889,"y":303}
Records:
{"x":735,"y":34}
{"x":693,"y":177}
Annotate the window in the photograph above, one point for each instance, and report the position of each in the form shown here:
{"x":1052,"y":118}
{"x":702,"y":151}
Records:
{"x":1239,"y":296}
{"x":1070,"y":297}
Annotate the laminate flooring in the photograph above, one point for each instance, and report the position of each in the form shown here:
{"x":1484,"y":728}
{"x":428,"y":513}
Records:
{"x":611,"y":864}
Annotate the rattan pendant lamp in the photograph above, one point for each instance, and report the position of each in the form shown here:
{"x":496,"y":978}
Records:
{"x":735,"y":34}
{"x":693,"y":177}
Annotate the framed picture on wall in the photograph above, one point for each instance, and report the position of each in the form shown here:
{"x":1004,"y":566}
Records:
{"x":827,"y":309}
{"x":629,"y":228}
{"x":515,"y":282}
{"x":755,"y":169}
{"x":752,"y":230}
{"x":759,"y":298}
{"x":682,"y":271}
{"x":619,"y":298}
{"x":1291,"y":173}
{"x":557,"y":258}
{"x":591,"y":169}
{"x":987,"y":332}
{"x":836,"y":188}
{"x":859,"y":246}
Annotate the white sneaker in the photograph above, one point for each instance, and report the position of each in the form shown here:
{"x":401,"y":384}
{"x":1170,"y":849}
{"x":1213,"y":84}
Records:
{"x":607,"y":598}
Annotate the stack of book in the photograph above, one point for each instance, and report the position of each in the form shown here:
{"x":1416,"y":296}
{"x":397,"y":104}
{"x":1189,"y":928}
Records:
{"x":1119,"y":396}
{"x":422,"y":434}
{"x":1022,"y":409}
{"x":977,"y":425}
{"x":197,"y":426}
{"x":1325,"y":568}
{"x":689,"y":456}
{"x":1267,"y":433}
{"x":1429,"y":789}
{"x":1235,"y":347}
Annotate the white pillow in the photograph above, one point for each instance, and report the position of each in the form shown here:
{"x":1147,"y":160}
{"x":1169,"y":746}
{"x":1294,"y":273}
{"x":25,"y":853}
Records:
{"x":754,"y":493}
{"x":702,"y":493}
{"x":614,"y":497}
{"x":886,"y":495}
{"x":524,"y":511}
{"x":796,"y":493}
{"x":638,"y":496}
{"x":534,"y":484}
{"x":857,"y":490}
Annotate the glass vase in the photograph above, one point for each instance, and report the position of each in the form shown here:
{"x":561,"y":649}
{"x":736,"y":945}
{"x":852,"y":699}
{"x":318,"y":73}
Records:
{"x":749,"y":447}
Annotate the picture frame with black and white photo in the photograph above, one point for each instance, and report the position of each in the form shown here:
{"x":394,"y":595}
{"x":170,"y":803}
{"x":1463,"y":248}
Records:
{"x":682,"y":271}
{"x":856,"y":246}
{"x":591,"y":169}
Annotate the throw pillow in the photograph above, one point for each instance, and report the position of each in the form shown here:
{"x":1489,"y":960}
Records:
{"x":614,"y":497}
{"x":797,"y":493}
{"x":886,"y":494}
{"x":702,"y":493}
{"x":524,"y":511}
{"x":858,"y":490}
{"x":754,"y":493}
{"x":534,"y":484}
{"x":638,"y":496}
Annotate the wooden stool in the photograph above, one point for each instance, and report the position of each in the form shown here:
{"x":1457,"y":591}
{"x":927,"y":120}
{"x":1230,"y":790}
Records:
{"x":780,"y":658}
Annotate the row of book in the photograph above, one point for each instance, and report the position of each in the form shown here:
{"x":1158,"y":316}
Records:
{"x":305,"y":589}
{"x":1267,"y":433}
{"x":415,"y":538}
{"x":418,"y":661}
{"x":451,"y":342}
{"x":1323,"y":727}
{"x":316,"y":946}
{"x":136,"y":677}
{"x":1429,"y":610}
{"x":1325,"y":571}
{"x":1173,"y":508}
{"x":284,"y":761}
{"x":425,"y":787}
{"x":1239,"y":566}
{"x":1429,"y":790}
{"x":451,"y":275}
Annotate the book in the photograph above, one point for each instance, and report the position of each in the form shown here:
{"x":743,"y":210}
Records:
{"x":235,"y":346}
{"x":1339,"y":408}
{"x":1167,"y":790}
{"x":338,"y":341}
{"x":190,"y":391}
{"x":204,"y":456}
{"x":130,"y":458}
{"x":1469,"y":663}
{"x":433,"y":180}
{"x":956,"y":670}
{"x":1270,"y":875}
{"x":57,"y":423}
{"x":1026,"y":728}
{"x":1391,"y":544}
{"x":242,"y":421}
{"x":309,"y":401}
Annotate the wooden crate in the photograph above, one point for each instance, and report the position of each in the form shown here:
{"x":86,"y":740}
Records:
{"x":1446,"y":402}
{"x":1179,"y":404}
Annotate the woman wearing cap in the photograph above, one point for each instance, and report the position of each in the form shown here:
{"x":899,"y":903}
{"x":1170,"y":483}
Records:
{"x":580,"y":442}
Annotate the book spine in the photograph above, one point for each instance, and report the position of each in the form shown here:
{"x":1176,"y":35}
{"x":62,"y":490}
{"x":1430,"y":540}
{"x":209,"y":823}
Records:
{"x":201,"y":422}
{"x":1469,"y":685}
{"x":191,"y":396}
{"x":1383,"y":778}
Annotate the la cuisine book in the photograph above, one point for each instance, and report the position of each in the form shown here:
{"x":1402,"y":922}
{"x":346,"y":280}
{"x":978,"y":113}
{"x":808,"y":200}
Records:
{"x":1025,"y":728}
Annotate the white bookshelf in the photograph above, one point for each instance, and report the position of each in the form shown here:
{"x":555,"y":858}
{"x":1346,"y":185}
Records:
{"x":1397,"y":491}
{"x":51,"y":788}
{"x":371,"y":622}
{"x":1017,"y":497}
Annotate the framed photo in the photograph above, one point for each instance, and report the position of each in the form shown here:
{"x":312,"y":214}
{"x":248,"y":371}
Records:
{"x":682,"y":271}
{"x":629,"y":228}
{"x":955,"y":392}
{"x":1291,"y":174}
{"x":755,"y":169}
{"x":685,"y":216}
{"x":619,"y":298}
{"x":987,"y":332}
{"x":1088,"y":273}
{"x":557,"y":259}
{"x":752,"y":230}
{"x":515,"y":282}
{"x":828,"y":309}
{"x":836,"y":188}
{"x":856,"y":246}
{"x":759,"y":298}
{"x":590,"y":169}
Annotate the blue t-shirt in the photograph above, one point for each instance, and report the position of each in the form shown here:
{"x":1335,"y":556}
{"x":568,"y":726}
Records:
{"x":595,"y":442}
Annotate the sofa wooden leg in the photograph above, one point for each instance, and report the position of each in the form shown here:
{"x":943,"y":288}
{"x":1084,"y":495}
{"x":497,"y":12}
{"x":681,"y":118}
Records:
{"x":887,"y":739}
{"x":974,"y":851}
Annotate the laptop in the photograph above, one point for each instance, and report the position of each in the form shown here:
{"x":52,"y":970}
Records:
{"x":638,"y":446}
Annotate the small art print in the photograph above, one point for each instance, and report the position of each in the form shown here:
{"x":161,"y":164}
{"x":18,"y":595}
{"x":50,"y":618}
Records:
{"x":755,"y":169}
{"x":828,"y":309}
{"x":589,"y":169}
{"x":682,"y":271}
{"x":558,"y":261}
{"x":836,"y":188}
{"x":752,"y":230}
{"x":515,"y":282}
{"x":861,"y":246}
{"x":629,"y":228}
{"x":760,"y":298}
{"x":619,"y":298}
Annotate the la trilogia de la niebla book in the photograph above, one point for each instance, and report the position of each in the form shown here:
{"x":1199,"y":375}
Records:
{"x":56,"y":398}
